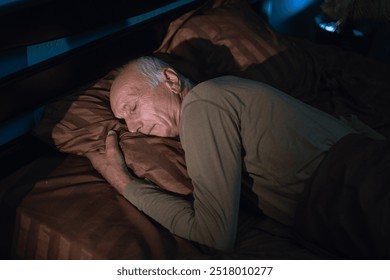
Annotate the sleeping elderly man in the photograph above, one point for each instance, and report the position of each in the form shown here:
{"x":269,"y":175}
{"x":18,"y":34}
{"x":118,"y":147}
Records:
{"x":237,"y":135}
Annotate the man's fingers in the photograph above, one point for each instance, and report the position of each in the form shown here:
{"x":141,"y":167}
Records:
{"x":111,"y":132}
{"x":114,"y":156}
{"x":112,"y":140}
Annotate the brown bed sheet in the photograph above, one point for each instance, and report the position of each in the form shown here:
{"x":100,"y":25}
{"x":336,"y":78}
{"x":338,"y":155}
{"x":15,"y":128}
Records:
{"x":72,"y":213}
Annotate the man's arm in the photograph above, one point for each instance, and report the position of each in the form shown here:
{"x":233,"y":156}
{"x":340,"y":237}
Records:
{"x":211,"y":218}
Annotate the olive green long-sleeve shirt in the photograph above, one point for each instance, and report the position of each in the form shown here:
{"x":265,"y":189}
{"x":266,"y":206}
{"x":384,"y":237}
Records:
{"x":237,"y":134}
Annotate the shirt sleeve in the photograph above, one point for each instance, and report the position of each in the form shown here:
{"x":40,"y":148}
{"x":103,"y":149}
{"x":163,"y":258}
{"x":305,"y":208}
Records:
{"x":211,"y":140}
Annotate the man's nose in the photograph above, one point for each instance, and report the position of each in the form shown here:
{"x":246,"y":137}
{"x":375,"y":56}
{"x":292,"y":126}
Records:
{"x":133,"y":126}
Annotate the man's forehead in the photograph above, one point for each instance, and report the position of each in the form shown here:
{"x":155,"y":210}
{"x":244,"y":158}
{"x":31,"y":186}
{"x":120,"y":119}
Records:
{"x":128,"y":83}
{"x":125,"y":96}
{"x":123,"y":91}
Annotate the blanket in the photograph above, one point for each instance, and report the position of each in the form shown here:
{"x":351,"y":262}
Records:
{"x":346,"y":210}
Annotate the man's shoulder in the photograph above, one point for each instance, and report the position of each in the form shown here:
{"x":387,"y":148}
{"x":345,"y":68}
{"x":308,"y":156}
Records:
{"x":228,"y":83}
{"x":224,"y":92}
{"x":222,"y":81}
{"x":218,"y":85}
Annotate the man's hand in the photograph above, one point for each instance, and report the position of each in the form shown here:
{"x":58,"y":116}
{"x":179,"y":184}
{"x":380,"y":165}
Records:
{"x":111,"y":163}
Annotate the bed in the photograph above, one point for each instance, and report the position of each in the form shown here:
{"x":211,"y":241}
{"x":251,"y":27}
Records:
{"x":54,"y":205}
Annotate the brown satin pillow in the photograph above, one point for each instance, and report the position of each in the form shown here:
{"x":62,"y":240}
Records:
{"x":226,"y":38}
{"x":161,"y":160}
{"x":79,"y":123}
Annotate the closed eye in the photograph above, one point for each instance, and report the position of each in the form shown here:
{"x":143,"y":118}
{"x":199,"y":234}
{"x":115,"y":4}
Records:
{"x":132,"y":110}
{"x":126,"y":109}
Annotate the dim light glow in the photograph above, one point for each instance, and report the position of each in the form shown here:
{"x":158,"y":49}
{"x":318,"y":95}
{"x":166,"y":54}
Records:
{"x":280,"y":13}
{"x":326,"y":24}
{"x":298,"y":5}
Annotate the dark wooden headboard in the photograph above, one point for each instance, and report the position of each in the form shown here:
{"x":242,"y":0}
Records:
{"x":45,"y":21}
{"x":31,"y":22}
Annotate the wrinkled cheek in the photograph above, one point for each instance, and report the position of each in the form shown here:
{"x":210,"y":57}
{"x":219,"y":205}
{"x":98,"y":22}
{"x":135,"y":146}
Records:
{"x":164,"y":131}
{"x":161,"y":131}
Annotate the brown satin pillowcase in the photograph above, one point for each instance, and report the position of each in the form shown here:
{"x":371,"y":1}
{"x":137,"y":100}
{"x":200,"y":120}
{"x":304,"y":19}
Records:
{"x":161,"y":160}
{"x":225,"y":39}
{"x":79,"y":124}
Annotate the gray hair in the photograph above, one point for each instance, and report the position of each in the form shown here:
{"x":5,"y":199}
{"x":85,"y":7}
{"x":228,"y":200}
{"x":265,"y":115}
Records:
{"x":152,"y":68}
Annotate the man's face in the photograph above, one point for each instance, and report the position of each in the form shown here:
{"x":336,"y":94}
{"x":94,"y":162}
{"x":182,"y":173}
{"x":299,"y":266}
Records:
{"x":151,"y":111}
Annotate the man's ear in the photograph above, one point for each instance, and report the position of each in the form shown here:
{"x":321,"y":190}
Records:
{"x":172,"y":80}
